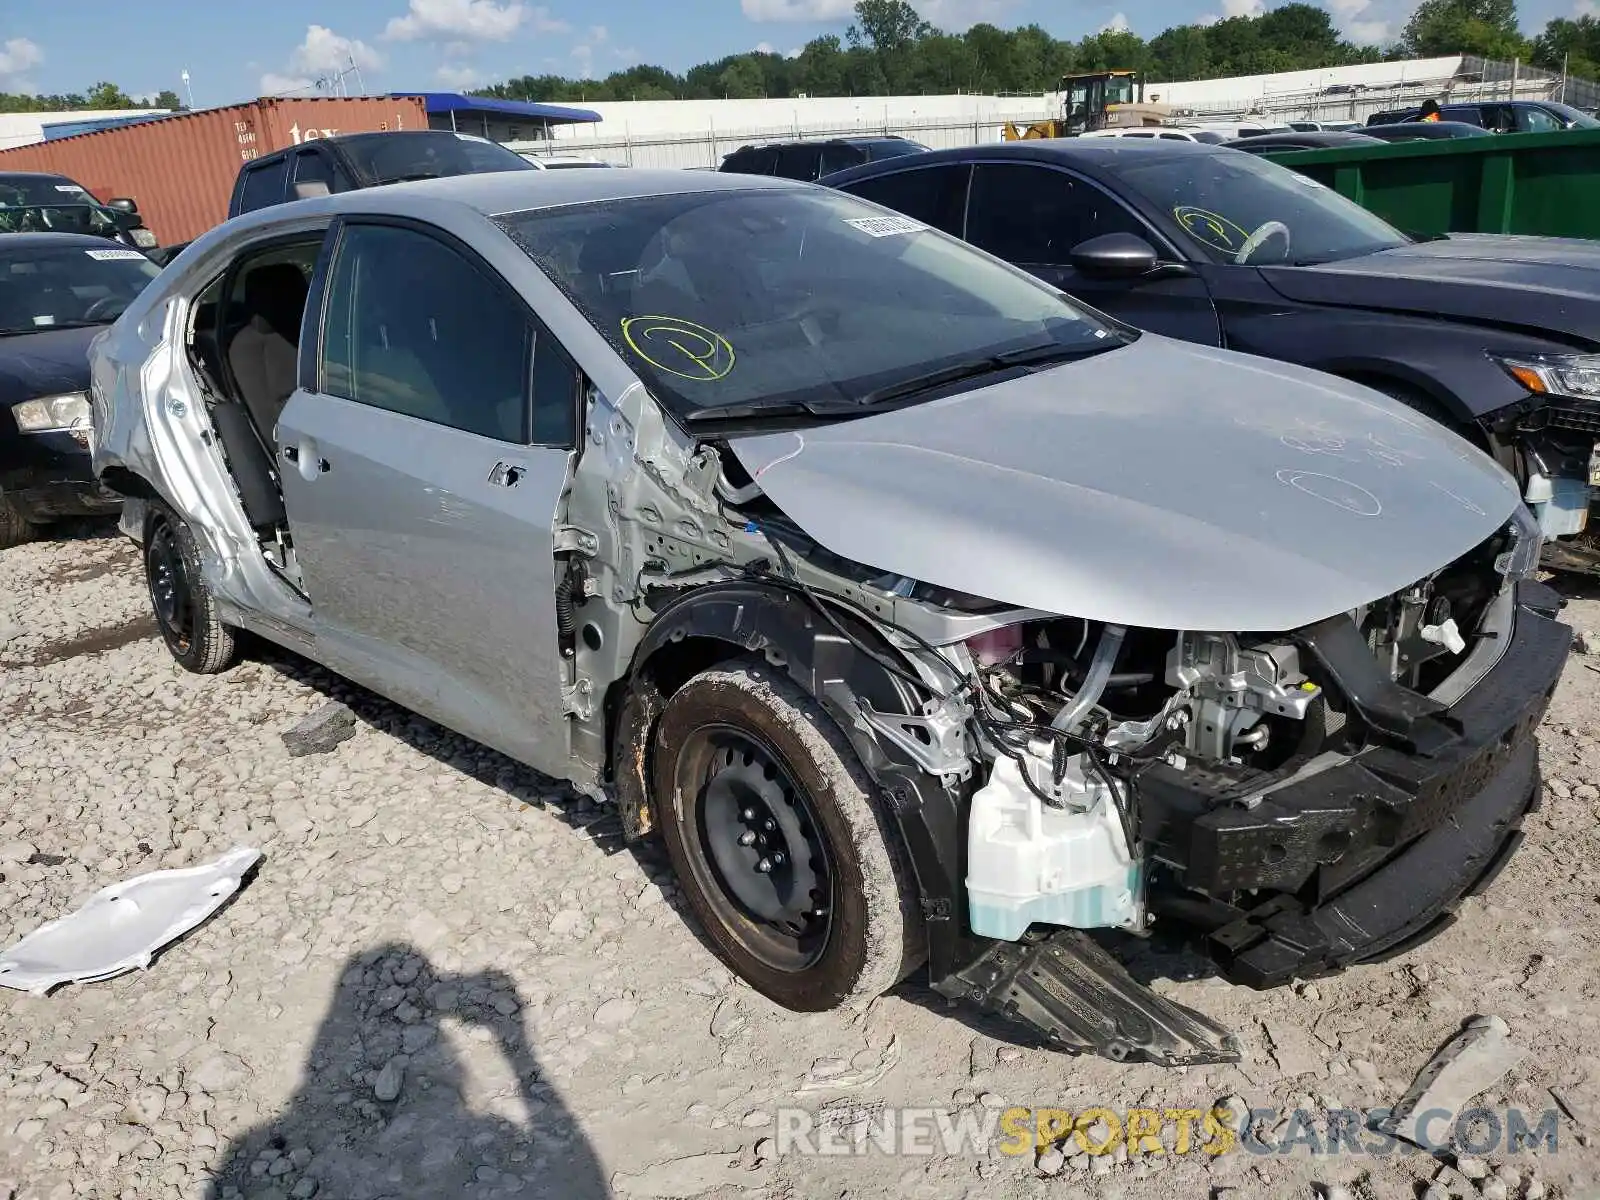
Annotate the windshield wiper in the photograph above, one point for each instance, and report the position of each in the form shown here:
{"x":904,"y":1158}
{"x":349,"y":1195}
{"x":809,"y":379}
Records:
{"x":989,"y":364}
{"x":771,"y":408}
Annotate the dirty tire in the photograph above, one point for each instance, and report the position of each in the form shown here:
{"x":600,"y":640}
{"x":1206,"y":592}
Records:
{"x":874,"y":933}
{"x":185,"y":610}
{"x":14,"y":527}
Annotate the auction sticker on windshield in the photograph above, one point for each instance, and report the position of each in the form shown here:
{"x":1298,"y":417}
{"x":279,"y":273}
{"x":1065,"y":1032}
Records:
{"x":113,"y":255}
{"x":885,"y":226}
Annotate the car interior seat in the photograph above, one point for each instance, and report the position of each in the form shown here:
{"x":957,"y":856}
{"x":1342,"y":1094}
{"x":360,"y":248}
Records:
{"x":264,"y":355}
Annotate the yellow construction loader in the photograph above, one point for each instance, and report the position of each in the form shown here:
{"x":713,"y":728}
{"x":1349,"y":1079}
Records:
{"x":1091,"y":101}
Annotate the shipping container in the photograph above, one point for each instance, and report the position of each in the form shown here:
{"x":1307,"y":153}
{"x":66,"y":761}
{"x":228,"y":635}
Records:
{"x":180,"y":170}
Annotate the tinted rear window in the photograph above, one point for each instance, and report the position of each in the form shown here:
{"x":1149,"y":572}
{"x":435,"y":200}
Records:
{"x":393,"y":157}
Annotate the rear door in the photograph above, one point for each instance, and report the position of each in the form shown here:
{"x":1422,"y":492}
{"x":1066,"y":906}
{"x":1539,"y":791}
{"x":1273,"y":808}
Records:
{"x":936,"y":196}
{"x":802,"y":162}
{"x":422,"y":463}
{"x":1034,"y":216}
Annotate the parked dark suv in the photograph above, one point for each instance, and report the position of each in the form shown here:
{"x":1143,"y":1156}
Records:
{"x":1496,"y":337}
{"x":351,"y":161}
{"x":1501,"y":116}
{"x":810,"y":161}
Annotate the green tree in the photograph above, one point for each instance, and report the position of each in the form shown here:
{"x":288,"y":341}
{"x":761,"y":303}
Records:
{"x":108,"y":95}
{"x":167,"y":99}
{"x":1181,"y":53}
{"x":1574,"y":45}
{"x":886,"y":26}
{"x":1484,"y":27}
{"x":742,"y":80}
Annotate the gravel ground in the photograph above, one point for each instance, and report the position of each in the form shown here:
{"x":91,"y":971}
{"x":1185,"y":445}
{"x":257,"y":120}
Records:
{"x":448,"y":977}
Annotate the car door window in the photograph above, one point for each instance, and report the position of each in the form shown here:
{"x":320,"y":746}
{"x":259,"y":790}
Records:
{"x":264,"y":185}
{"x":936,"y":196}
{"x":840,"y":156}
{"x":557,"y":390}
{"x":312,"y":166}
{"x":799,"y":162}
{"x":1028,"y":214}
{"x":415,"y":327}
{"x":1536,"y":120}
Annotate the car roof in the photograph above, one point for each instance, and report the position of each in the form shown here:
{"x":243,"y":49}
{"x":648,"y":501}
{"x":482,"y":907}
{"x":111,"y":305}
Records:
{"x":1307,"y":137}
{"x":31,"y":175}
{"x":496,"y":192}
{"x":1088,"y":153}
{"x":12,"y":242}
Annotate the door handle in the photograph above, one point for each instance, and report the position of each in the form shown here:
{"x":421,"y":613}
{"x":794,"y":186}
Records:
{"x":506,"y":475}
{"x":311,"y":467}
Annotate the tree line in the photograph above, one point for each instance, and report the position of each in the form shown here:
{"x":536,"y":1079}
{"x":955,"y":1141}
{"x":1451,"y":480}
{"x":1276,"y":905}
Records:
{"x":100,"y":96}
{"x":891,"y":50}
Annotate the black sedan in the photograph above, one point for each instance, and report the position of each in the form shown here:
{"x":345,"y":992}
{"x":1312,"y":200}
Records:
{"x":1498,"y":337}
{"x":1280,"y":143}
{"x":1417,"y":131}
{"x":57,"y":290}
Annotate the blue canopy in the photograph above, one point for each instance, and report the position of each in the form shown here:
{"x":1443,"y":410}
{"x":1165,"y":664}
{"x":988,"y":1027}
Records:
{"x":455,"y":102}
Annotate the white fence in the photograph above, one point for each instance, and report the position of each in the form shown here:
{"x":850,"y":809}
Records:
{"x":707,"y":149}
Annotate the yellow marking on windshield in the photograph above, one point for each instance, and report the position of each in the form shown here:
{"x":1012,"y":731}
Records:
{"x":679,"y":347}
{"x":1214,"y":230}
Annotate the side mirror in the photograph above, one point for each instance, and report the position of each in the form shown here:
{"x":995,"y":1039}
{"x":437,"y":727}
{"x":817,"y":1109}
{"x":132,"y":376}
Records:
{"x":1114,"y":256}
{"x":123,"y":204}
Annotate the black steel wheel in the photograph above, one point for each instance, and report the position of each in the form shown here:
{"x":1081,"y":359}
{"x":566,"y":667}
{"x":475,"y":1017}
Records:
{"x":181,"y":599}
{"x":758,"y":850}
{"x":777,"y":837}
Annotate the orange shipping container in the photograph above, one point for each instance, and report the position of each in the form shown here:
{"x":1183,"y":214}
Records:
{"x":180,"y":170}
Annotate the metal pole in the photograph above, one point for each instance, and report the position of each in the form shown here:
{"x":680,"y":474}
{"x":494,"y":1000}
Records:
{"x":1516,"y":67}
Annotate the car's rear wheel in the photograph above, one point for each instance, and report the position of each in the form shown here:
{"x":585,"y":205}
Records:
{"x":185,"y":610}
{"x":785,"y":855}
{"x":14,"y":527}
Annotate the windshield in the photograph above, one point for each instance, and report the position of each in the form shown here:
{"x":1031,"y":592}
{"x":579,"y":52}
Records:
{"x":1576,"y":117}
{"x":54,"y":286}
{"x":392,"y":157}
{"x":780,"y":297}
{"x":1226,"y":200}
{"x":50,"y":204}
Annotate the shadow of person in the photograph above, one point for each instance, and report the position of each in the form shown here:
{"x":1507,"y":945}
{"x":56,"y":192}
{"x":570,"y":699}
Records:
{"x":388,"y":1107}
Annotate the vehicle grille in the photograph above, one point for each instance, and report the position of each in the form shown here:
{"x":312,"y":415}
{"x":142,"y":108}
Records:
{"x":1580,"y":418}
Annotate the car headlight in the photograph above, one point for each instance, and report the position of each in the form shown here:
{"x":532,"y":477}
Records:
{"x":144,"y":238}
{"x":1576,"y":376}
{"x":53,"y":414}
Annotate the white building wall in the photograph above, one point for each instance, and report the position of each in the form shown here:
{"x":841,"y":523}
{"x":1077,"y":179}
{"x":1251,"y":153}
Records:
{"x":24,"y":129}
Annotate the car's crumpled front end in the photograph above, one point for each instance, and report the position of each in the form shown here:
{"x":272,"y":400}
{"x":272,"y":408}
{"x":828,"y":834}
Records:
{"x":1315,"y":784}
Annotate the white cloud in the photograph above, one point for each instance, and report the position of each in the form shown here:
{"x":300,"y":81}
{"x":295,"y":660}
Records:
{"x":796,"y":52}
{"x":598,"y":34}
{"x":583,"y":56}
{"x":1586,"y":8}
{"x":1209,"y":18}
{"x":1369,"y":33}
{"x":764,"y":48}
{"x":1243,"y":8}
{"x":469,"y":20}
{"x":324,"y":52}
{"x":273,"y":84}
{"x":1348,"y":14}
{"x":18,"y":55}
{"x":1117,"y":24}
{"x":627,"y":54}
{"x":797,"y":10}
{"x":459,"y":77}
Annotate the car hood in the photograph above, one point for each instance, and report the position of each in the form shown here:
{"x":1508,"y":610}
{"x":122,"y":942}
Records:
{"x":1162,"y":484}
{"x":1535,"y":282}
{"x":45,"y":363}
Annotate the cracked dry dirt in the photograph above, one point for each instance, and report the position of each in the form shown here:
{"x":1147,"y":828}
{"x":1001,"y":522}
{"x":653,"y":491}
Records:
{"x":449,"y":978}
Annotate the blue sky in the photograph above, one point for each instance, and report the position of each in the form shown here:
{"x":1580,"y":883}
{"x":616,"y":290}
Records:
{"x":237,"y":49}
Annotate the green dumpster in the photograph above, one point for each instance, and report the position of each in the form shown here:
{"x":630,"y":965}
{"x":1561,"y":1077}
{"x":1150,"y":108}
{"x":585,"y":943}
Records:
{"x":1541,"y":183}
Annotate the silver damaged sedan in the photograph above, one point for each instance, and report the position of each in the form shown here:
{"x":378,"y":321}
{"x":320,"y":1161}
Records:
{"x":933,"y":620}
